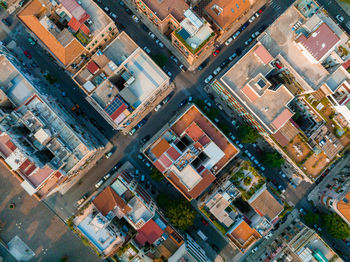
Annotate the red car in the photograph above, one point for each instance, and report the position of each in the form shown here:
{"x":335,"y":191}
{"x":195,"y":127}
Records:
{"x":204,"y":222}
{"x":260,"y":11}
{"x":27,"y":54}
{"x":216,"y":52}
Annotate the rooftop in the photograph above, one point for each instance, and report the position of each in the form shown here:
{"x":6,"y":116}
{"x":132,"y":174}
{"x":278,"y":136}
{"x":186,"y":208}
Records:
{"x":265,"y":204}
{"x":226,"y":12}
{"x":319,"y":42}
{"x":343,"y":207}
{"x":247,"y":80}
{"x":120,"y":78}
{"x":191,"y":152}
{"x":64,"y":28}
{"x":163,"y":8}
{"x":150,"y":232}
{"x":243,"y":235}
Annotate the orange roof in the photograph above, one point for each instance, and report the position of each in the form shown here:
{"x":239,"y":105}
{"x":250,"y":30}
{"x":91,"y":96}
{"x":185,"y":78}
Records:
{"x":343,"y":207}
{"x":282,"y":118}
{"x":74,"y":24}
{"x":160,"y":148}
{"x":243,"y":232}
{"x":252,"y":96}
{"x":65,"y":55}
{"x":194,"y":131}
{"x":107,"y":200}
{"x":263,"y":54}
{"x":225,"y":12}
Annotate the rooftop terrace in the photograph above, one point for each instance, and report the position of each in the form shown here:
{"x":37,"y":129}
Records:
{"x":164,"y":8}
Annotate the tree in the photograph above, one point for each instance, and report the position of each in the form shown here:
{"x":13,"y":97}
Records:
{"x":272,"y":159}
{"x":311,"y":219}
{"x":163,"y":200}
{"x":336,"y":226}
{"x":156,"y":175}
{"x":181,"y":214}
{"x":247,"y":180}
{"x":247,"y":134}
{"x":159,"y":59}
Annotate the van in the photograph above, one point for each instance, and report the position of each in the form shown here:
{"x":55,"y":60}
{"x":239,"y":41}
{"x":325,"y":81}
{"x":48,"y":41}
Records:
{"x":202,"y":236}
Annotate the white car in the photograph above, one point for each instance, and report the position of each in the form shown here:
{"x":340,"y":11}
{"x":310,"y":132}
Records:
{"x":106,"y":9}
{"x":268,"y":236}
{"x":254,"y":35}
{"x":236,"y":34}
{"x":228,"y":41}
{"x":107,"y":176}
{"x":99,"y":183}
{"x":254,"y":249}
{"x":147,"y":50}
{"x":207,"y":80}
{"x":217,"y":70}
{"x":251,"y":19}
{"x":151,"y":35}
{"x":136,"y":19}
{"x":160,"y":43}
{"x":174,"y":59}
{"x":340,"y":18}
{"x":113,"y":15}
{"x":158,"y":107}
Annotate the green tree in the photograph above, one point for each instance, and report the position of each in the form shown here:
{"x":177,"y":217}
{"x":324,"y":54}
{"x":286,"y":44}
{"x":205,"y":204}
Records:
{"x":336,"y":226}
{"x":163,"y":200}
{"x":64,"y":259}
{"x":311,"y":219}
{"x":159,"y":59}
{"x":181,"y":214}
{"x":247,"y":180}
{"x":248,"y":134}
{"x":272,"y":159}
{"x":156,"y":175}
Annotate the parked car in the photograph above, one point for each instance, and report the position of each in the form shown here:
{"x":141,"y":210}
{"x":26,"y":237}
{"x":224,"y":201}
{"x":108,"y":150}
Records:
{"x":207,"y":80}
{"x":84,"y":197}
{"x":132,"y":131}
{"x":217,"y":71}
{"x":128,"y":11}
{"x":235,"y":35}
{"x":151,"y":35}
{"x":190,"y":99}
{"x":146,"y":138}
{"x":31,"y":41}
{"x":106,"y":9}
{"x":107,"y":176}
{"x":145,"y":28}
{"x":251,"y":19}
{"x":27,"y":54}
{"x":204,"y":222}
{"x":254,"y":249}
{"x":215,"y":248}
{"x":135,"y":18}
{"x":99,"y":183}
{"x":140,"y":156}
{"x":157,"y":107}
{"x":232,"y":56}
{"x":256,"y":34}
{"x":113,"y":15}
{"x":268,"y":236}
{"x":121,"y":3}
{"x":340,"y":18}
{"x":174,"y":59}
{"x":224,"y":63}
{"x":160,"y":43}
{"x":109,"y":154}
{"x":206,"y":101}
{"x":182,"y":103}
{"x":216,"y":52}
{"x":228,"y":41}
{"x":119,"y":164}
{"x":248,"y":41}
{"x":182,"y":68}
{"x":147,"y":50}
{"x":244,"y":26}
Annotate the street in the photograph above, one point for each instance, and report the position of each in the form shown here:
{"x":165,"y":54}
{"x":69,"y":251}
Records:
{"x":187,"y":83}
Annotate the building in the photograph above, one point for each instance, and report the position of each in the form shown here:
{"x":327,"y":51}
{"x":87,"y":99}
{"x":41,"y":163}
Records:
{"x":300,"y":243}
{"x":192,"y":38}
{"x":286,"y":81}
{"x":228,"y":16}
{"x":190,"y":151}
{"x":123,"y":83}
{"x":190,"y":251}
{"x":339,"y":203}
{"x":265,"y":204}
{"x":242,"y":236}
{"x":39,"y":141}
{"x":70,"y":30}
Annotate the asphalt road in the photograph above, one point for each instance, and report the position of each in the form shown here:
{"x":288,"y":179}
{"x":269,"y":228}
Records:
{"x":333,"y":9}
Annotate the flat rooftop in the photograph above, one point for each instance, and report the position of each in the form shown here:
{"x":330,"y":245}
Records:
{"x":280,"y":39}
{"x":247,"y":81}
{"x":163,"y":8}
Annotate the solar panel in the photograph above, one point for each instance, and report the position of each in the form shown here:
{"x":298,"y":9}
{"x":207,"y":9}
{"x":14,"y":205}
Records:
{"x":112,"y":107}
{"x":184,"y":34}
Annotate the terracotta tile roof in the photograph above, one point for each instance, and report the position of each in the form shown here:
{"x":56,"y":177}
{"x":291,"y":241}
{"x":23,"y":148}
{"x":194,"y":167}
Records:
{"x":76,"y":10}
{"x":204,"y":140}
{"x":319,"y":42}
{"x":282,"y":118}
{"x":74,"y":24}
{"x":226,"y":12}
{"x":166,"y":7}
{"x":92,"y":67}
{"x":150,"y":232}
{"x":160,"y":148}
{"x":11,"y":145}
{"x":280,"y":138}
{"x":243,"y":232}
{"x":66,"y":55}
{"x":194,"y":131}
{"x":159,"y":166}
{"x":263,"y":54}
{"x":252,"y":96}
{"x":108,"y":199}
{"x":172,"y":152}
{"x":165,"y":160}
{"x":85,"y":29}
{"x":343,"y":207}
{"x":266,"y":204}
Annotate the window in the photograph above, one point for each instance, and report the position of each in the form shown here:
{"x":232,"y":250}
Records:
{"x":237,"y":5}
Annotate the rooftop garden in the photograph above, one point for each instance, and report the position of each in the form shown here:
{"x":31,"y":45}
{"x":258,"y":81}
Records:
{"x":193,"y":51}
{"x":83,"y":39}
{"x":247,"y":180}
